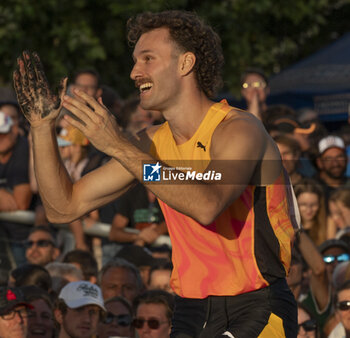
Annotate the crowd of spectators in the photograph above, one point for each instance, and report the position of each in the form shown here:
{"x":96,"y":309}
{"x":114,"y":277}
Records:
{"x":63,"y":283}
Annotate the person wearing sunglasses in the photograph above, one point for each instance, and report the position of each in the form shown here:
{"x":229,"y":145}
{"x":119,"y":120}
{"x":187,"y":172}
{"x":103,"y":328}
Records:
{"x":342,"y":311}
{"x":117,"y":321}
{"x":154,"y":310}
{"x":41,"y":247}
{"x":255,"y":90}
{"x":13,"y":313}
{"x":334,"y":251}
{"x":307,"y":327}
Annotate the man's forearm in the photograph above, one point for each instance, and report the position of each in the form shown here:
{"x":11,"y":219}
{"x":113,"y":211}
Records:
{"x":53,"y":180}
{"x":198,"y":200}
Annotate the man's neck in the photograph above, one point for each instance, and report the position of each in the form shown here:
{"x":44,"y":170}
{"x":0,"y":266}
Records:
{"x":186,"y":117}
{"x":330,"y":181}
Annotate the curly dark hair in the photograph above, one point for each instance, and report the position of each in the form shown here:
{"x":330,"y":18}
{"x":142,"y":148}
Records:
{"x":190,"y":34}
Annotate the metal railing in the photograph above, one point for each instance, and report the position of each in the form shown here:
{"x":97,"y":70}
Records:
{"x":98,"y":229}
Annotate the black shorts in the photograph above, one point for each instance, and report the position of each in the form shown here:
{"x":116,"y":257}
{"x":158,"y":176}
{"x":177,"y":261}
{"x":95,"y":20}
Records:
{"x":268,"y":312}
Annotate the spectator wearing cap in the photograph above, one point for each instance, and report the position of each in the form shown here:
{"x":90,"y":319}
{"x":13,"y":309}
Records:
{"x":254,"y":90}
{"x":153,"y":314}
{"x":331,"y":164}
{"x":289,"y":126}
{"x":41,"y":247}
{"x":120,"y":278}
{"x":334,"y":251}
{"x":79,"y":309}
{"x":117,"y":321}
{"x":15,"y":192}
{"x":13,"y":313}
{"x":342,"y":311}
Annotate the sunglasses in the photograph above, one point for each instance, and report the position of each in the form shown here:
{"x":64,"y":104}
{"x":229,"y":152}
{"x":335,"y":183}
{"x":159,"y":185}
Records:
{"x":152,"y":323}
{"x":308,"y":325}
{"x":344,"y":305}
{"x":41,"y":243}
{"x":340,"y":258}
{"x":122,"y":320}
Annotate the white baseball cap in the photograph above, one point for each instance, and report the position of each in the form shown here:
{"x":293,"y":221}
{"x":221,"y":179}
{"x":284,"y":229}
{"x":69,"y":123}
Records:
{"x":330,"y":142}
{"x":5,"y":123}
{"x":78,"y":294}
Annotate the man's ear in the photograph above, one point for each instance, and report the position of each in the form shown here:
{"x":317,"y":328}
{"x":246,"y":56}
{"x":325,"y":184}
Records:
{"x":56,"y":253}
{"x":187,"y":62}
{"x":319,"y":163}
{"x":58,"y":316}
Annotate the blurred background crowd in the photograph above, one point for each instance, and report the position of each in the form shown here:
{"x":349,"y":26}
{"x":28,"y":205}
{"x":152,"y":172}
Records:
{"x":118,"y":285}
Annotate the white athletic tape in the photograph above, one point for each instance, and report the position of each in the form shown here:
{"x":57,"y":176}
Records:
{"x":228,"y":334}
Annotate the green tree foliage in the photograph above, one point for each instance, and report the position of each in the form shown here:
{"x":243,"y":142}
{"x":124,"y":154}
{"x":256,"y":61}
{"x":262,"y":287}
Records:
{"x":75,"y":34}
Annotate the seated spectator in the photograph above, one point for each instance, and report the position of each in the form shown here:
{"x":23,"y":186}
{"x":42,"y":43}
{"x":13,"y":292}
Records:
{"x":342,"y":305}
{"x":307,"y":326}
{"x":139,"y":209}
{"x":311,"y":202}
{"x":153,"y":314}
{"x":15,"y":192}
{"x":31,"y":274}
{"x":63,"y":273}
{"x":159,"y":277}
{"x":141,"y":257}
{"x":290,"y":153}
{"x":117,"y":321}
{"x":84,"y":261}
{"x":79,"y":309}
{"x":41,"y":247}
{"x":331,"y":164}
{"x":13,"y":313}
{"x":339,"y":210}
{"x":40,"y":317}
{"x":120,"y":278}
{"x":334,"y":251}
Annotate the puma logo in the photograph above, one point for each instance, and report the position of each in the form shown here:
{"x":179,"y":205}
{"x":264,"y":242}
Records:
{"x":200,"y":145}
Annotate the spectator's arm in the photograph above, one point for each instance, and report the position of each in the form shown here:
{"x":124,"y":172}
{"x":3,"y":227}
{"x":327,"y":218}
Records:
{"x":18,"y":200}
{"x":319,"y":282}
{"x":78,"y":232}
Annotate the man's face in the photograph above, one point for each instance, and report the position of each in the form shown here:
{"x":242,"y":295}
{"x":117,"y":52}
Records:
{"x":81,"y":322}
{"x":289,"y":158}
{"x":156,"y":70}
{"x":332,"y":252}
{"x":88,"y":84}
{"x":344,"y":315}
{"x":119,"y":282}
{"x":40,"y":249}
{"x":14,"y":323}
{"x":120,"y":324}
{"x":160,"y":279}
{"x":154,"y":312}
{"x":255,"y":85}
{"x":8,"y":140}
{"x":333,"y":163}
{"x":40,"y":320}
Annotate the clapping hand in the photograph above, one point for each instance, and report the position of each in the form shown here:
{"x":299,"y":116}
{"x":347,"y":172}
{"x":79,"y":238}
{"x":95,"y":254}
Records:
{"x":38,"y":103}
